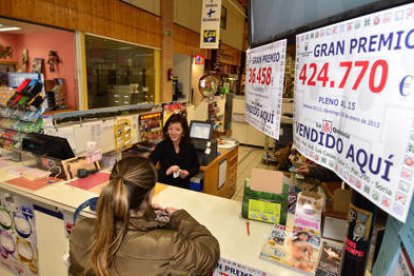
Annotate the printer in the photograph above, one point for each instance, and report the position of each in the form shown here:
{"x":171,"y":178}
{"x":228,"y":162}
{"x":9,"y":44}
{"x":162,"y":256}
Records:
{"x":201,"y":134}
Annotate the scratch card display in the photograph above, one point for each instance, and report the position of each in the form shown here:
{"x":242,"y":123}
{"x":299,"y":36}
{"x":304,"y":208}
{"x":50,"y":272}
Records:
{"x":18,"y":239}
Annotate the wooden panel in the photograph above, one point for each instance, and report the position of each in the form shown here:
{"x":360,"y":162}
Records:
{"x":211,"y":174}
{"x":230,"y":55}
{"x":186,"y":41}
{"x":111,"y":18}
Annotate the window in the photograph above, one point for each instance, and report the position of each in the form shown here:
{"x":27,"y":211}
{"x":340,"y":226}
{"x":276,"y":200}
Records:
{"x":118,"y":73}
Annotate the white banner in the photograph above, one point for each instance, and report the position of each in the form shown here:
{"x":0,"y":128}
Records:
{"x":210,"y":24}
{"x":265,"y":69}
{"x":354,"y":104}
{"x":229,"y":268}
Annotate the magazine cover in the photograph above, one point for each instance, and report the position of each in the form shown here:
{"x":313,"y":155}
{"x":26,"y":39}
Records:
{"x":297,"y":248}
{"x":308,"y":213}
{"x":330,"y":259}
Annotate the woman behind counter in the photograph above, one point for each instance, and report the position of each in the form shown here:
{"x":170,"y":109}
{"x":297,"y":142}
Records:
{"x":132,"y":237}
{"x":176,"y":154}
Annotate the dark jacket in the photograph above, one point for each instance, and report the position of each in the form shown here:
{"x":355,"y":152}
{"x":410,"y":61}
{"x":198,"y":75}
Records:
{"x":323,"y":174}
{"x":181,"y":246}
{"x":186,"y":159}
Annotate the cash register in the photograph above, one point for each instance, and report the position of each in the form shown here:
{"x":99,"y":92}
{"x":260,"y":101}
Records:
{"x":201,"y":134}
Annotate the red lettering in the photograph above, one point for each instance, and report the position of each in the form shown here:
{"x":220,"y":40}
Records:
{"x":354,"y":251}
{"x":351,"y":243}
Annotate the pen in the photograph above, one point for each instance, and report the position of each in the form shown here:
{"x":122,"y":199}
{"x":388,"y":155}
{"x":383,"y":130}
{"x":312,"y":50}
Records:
{"x":248,"y":228}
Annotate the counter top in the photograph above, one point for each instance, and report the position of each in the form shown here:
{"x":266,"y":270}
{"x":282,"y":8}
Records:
{"x":221,"y":216}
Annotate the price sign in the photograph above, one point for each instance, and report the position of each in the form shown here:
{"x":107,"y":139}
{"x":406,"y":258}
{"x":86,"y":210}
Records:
{"x":264,"y":86}
{"x":354,"y":96}
{"x":378,"y":70}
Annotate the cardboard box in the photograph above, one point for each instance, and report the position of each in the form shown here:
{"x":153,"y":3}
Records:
{"x":265,"y":196}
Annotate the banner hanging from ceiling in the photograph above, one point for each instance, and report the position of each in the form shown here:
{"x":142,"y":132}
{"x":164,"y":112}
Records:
{"x":354,"y":99}
{"x":210,"y":24}
{"x":265,"y":69}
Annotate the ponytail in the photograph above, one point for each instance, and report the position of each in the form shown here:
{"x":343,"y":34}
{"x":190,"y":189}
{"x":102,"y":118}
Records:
{"x":112,"y":210}
{"x":130,"y":181}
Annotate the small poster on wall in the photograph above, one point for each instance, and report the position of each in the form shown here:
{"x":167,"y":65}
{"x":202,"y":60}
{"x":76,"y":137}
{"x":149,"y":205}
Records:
{"x":126,"y":132}
{"x":150,"y":126}
{"x":18,"y":239}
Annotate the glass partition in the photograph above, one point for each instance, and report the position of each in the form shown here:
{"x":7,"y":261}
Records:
{"x":118,"y":73}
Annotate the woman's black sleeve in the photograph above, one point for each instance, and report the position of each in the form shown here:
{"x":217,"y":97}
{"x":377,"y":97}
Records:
{"x":155,"y":155}
{"x":323,"y":174}
{"x":194,"y":165}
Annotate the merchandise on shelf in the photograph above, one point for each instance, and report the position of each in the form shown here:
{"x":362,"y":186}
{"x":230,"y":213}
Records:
{"x":21,"y":108}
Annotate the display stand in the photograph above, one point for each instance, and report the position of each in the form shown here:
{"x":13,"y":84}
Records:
{"x":21,"y":108}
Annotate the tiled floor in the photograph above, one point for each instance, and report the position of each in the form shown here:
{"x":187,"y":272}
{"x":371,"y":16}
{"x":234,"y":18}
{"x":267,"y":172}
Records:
{"x":249,"y":158}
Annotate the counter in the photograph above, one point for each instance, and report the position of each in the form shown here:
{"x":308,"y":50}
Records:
{"x":220,"y":175}
{"x":220,"y":215}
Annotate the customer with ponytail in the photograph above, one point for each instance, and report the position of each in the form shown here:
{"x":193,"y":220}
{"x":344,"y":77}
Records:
{"x":131,"y":237}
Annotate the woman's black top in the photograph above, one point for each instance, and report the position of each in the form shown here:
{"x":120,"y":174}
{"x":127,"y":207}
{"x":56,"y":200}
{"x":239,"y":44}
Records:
{"x":186,"y":159}
{"x":323,"y":174}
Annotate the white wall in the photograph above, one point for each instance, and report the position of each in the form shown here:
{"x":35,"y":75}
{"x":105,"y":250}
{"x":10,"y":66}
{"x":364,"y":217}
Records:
{"x":152,"y":6}
{"x":197,"y":71}
{"x":182,"y":69}
{"x":187,"y":13}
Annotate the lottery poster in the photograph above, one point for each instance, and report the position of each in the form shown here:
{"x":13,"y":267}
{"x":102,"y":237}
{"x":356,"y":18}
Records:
{"x":354,"y":99}
{"x":265,"y":69}
{"x":150,"y":126}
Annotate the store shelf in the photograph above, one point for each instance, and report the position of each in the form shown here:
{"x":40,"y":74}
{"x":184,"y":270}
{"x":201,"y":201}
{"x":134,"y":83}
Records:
{"x":101,"y":111}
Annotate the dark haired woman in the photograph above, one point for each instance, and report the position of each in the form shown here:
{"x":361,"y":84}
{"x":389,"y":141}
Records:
{"x":176,"y":154}
{"x":131,"y":237}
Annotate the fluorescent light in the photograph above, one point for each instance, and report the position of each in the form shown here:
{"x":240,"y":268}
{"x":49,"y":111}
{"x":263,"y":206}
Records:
{"x":8,"y":29}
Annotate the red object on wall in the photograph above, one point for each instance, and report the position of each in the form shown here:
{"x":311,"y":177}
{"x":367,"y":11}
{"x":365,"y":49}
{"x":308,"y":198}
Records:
{"x":199,"y":59}
{"x":170,"y":74}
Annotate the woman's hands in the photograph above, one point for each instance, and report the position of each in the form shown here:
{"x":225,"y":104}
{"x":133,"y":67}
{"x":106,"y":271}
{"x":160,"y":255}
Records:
{"x":303,"y":170}
{"x":160,"y":210}
{"x":174,"y":169}
{"x":183,"y":173}
{"x":170,"y":210}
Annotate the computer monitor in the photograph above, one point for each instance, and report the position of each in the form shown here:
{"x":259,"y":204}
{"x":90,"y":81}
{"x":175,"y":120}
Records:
{"x":47,"y":145}
{"x":201,"y":130}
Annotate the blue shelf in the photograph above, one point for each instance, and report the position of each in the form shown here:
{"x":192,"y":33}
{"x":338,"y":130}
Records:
{"x":99,"y":111}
